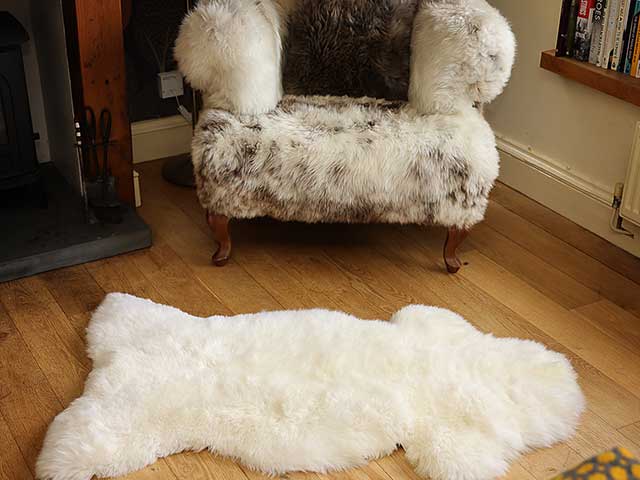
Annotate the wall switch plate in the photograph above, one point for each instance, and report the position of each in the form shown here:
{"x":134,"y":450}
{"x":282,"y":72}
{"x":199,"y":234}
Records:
{"x":170,"y":84}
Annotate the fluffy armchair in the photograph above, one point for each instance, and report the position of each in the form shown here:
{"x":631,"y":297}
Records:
{"x":345,"y":110}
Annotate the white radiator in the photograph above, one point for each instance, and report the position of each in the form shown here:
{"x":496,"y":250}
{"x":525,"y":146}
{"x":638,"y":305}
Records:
{"x":630,"y":209}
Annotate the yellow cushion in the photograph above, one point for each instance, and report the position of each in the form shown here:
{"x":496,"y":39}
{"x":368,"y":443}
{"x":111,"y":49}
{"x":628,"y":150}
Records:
{"x":616,"y":464}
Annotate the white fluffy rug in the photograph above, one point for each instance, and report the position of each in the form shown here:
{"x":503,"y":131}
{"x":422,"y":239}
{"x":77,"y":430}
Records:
{"x":308,"y":390}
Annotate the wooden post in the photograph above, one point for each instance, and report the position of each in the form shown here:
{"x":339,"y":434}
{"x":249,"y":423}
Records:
{"x":99,"y":77}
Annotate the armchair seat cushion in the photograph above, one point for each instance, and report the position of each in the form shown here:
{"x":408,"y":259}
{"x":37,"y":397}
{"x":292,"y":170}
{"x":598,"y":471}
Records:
{"x":342,"y":159}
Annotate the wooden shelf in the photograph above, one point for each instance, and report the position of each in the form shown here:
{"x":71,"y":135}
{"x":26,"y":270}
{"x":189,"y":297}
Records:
{"x":621,"y":86}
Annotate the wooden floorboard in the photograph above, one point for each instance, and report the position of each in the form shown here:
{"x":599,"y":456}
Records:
{"x":546,"y":278}
{"x":27,"y":402}
{"x":530,"y":274}
{"x":77,"y":294}
{"x":575,"y":263}
{"x":632,"y":433}
{"x":55,"y":345}
{"x":575,"y":235}
{"x":12,"y":462}
{"x":617,"y":323}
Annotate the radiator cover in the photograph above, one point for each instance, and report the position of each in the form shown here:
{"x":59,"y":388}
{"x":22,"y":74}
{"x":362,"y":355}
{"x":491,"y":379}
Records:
{"x":630,"y":209}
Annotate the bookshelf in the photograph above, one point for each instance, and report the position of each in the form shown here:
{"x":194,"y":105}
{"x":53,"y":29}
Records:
{"x":621,"y":86}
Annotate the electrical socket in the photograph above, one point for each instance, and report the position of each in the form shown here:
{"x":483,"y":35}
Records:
{"x":170,"y":84}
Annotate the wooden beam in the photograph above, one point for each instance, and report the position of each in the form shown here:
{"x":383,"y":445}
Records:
{"x":103,"y":78}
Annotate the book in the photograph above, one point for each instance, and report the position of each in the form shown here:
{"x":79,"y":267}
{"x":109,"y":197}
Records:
{"x":636,"y":55}
{"x":613,"y":11}
{"x":621,"y":34}
{"x":597,"y":34}
{"x":635,"y":67}
{"x":605,"y":31}
{"x":571,"y":31}
{"x":584,"y":28}
{"x":563,"y":29}
{"x":625,"y":37}
{"x":634,"y":18}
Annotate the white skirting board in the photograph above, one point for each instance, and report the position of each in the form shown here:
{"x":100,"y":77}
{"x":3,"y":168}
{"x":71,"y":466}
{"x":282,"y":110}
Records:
{"x":160,"y":138}
{"x":579,"y":200}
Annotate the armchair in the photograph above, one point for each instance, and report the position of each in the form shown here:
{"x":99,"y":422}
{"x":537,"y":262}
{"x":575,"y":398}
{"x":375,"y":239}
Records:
{"x":350,"y":111}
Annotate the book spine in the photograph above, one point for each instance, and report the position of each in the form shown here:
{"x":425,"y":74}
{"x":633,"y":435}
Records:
{"x":610,"y":37}
{"x":633,"y":37}
{"x":584,"y":28}
{"x":571,"y":32}
{"x":597,"y":35}
{"x":563,"y":29}
{"x":636,"y":55}
{"x":605,"y":32}
{"x":621,"y":34}
{"x":635,"y":68}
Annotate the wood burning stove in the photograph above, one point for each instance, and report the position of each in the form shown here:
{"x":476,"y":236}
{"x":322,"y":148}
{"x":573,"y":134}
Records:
{"x":18,"y":162}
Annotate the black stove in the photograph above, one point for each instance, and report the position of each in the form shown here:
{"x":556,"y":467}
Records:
{"x":18,"y":161}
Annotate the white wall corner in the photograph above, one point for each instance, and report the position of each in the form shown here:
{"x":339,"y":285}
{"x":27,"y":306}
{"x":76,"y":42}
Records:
{"x":581,"y":200}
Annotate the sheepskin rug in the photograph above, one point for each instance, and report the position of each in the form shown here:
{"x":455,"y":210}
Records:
{"x":308,"y":391}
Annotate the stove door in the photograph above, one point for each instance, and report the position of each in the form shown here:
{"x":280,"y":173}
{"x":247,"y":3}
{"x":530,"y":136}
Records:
{"x":18,"y":162}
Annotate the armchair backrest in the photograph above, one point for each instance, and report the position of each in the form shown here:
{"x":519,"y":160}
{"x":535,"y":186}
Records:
{"x":349,"y":47}
{"x":444,"y":55}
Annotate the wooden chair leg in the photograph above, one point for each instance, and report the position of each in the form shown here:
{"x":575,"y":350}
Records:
{"x":220,"y":227}
{"x":455,"y":236}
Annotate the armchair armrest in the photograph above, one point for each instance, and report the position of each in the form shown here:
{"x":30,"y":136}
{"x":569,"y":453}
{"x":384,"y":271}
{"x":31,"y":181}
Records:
{"x":462,"y":54}
{"x":231,"y":51}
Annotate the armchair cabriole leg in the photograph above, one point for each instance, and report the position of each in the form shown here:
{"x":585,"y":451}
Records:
{"x":220,"y":227}
{"x":455,"y":236}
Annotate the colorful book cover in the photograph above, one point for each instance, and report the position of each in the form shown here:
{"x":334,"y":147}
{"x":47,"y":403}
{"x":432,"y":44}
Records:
{"x":597,"y":34}
{"x":634,"y":17}
{"x":636,"y":56}
{"x":610,"y":36}
{"x":621,"y":34}
{"x":584,"y":28}
{"x":563,"y":29}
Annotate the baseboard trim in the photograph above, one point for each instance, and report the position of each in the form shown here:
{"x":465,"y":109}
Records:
{"x":575,"y":198}
{"x":160,"y":138}
{"x":548,"y":167}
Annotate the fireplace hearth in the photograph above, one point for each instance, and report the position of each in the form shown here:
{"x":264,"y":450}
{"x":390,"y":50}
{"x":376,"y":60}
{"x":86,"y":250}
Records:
{"x":18,"y":161}
{"x":45,"y":218}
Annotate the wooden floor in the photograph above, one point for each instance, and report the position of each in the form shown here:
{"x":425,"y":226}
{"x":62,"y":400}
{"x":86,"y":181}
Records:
{"x":530,"y":274}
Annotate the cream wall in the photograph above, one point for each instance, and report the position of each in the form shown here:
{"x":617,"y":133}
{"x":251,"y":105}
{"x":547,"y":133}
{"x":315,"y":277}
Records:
{"x":579,"y":136}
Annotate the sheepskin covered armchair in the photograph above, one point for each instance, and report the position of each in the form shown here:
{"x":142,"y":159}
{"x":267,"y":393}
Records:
{"x":350,"y":111}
